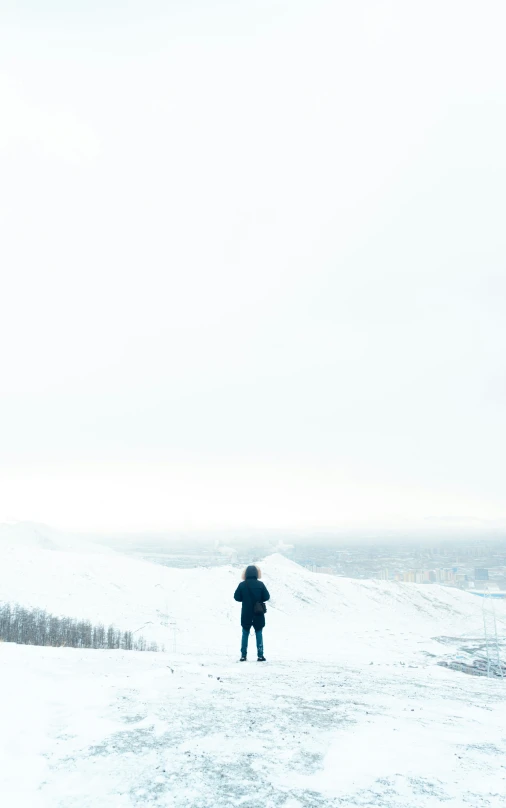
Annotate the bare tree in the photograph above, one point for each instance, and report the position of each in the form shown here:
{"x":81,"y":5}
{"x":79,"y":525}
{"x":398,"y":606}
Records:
{"x":38,"y":627}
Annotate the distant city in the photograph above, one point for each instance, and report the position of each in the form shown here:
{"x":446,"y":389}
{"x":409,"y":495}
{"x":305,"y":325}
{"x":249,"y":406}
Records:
{"x":477,"y":565}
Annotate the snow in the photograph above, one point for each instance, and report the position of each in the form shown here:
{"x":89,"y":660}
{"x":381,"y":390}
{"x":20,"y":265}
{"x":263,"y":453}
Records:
{"x":33,"y":535}
{"x":350,"y":709}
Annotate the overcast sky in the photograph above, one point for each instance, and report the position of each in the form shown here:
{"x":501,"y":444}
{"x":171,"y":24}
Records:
{"x":252,"y":263}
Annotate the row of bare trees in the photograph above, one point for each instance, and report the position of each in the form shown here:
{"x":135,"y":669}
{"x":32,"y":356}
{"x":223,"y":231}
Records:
{"x":38,"y":627}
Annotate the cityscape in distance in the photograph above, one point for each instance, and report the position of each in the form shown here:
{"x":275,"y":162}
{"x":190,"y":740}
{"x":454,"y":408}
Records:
{"x":473,"y":563}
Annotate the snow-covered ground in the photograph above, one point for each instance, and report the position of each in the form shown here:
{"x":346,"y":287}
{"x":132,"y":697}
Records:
{"x":351,"y":708}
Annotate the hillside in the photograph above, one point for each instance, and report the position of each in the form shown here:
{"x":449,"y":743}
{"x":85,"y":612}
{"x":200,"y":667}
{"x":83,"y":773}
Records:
{"x":310,"y":615}
{"x":35,"y":536}
{"x":350,"y":709}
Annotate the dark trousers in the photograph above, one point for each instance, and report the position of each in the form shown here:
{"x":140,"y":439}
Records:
{"x":245,"y":638}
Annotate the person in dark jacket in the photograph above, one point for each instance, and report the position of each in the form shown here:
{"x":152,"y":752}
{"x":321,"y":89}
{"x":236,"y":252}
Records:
{"x":250,"y":591}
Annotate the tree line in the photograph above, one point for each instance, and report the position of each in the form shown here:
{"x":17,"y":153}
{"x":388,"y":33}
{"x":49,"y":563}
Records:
{"x":38,"y":627}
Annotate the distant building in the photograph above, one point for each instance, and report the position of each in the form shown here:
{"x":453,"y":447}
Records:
{"x":480,"y":574}
{"x":438,"y":576}
{"x":445,"y":576}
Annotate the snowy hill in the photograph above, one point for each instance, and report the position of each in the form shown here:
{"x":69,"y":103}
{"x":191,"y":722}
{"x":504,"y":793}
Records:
{"x":310,"y":615}
{"x":351,"y":708}
{"x":36,"y":536}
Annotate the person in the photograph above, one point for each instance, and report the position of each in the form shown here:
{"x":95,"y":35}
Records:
{"x":250,"y":591}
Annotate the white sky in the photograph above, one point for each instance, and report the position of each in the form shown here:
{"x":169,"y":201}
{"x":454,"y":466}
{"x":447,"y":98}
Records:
{"x":252,"y":263}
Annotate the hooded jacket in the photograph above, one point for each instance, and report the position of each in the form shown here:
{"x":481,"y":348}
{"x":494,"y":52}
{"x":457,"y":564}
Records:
{"x":249,"y":592}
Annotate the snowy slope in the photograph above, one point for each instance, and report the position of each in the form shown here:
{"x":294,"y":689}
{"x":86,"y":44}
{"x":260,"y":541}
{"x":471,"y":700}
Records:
{"x":102,"y":729}
{"x":351,"y":708}
{"x":309,"y":616}
{"x":31,"y":535}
